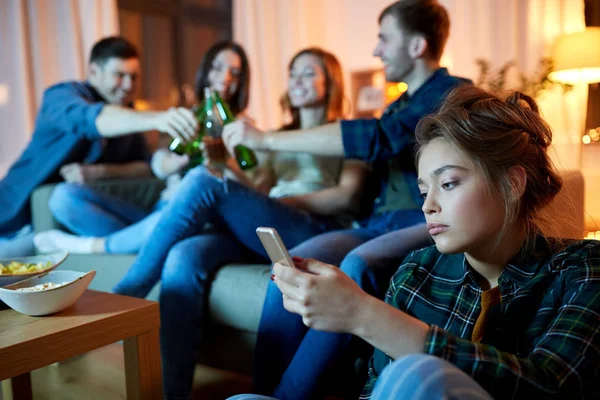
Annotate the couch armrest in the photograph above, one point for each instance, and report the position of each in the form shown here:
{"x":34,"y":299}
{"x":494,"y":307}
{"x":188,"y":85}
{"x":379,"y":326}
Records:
{"x":143,"y":192}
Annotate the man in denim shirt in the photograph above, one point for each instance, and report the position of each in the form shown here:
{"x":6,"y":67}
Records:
{"x":84,"y":132}
{"x":412,"y":36}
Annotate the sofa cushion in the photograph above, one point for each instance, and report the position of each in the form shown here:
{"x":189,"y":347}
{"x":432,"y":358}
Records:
{"x":237,"y":295}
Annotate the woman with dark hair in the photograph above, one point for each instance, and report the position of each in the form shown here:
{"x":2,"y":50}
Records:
{"x":301,"y":195}
{"x":225,"y":69}
{"x":108,"y":224}
{"x":494,"y":309}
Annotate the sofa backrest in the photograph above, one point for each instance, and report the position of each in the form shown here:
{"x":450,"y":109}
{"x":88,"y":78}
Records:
{"x":566,"y":213}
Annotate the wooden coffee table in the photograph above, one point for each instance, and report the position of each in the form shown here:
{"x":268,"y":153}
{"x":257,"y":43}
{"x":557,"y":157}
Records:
{"x":96,"y":320}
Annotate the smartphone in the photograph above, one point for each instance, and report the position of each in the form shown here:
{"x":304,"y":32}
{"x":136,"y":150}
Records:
{"x":274,"y":246}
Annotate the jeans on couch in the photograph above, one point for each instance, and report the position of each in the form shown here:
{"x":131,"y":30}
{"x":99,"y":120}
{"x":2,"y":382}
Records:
{"x":185,"y":284}
{"x":89,"y":212}
{"x":235,"y":211}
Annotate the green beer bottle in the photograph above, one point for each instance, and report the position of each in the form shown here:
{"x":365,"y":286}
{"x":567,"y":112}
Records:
{"x":244,"y":156}
{"x":194,"y":148}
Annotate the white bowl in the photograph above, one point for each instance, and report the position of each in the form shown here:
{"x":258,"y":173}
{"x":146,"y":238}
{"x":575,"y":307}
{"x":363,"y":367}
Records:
{"x":55,"y":258}
{"x":47,"y":301}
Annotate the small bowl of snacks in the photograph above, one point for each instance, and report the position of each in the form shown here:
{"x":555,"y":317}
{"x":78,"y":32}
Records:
{"x":48,"y":293}
{"x":18,"y":268}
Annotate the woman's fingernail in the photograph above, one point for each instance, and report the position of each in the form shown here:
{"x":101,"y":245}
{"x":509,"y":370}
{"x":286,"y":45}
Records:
{"x":297,"y":259}
{"x":273,"y":277}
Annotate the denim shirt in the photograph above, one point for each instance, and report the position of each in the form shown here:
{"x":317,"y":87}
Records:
{"x":388,"y":141}
{"x":65,"y":132}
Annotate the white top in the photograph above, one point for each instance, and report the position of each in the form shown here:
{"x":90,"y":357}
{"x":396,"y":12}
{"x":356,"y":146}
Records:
{"x":302,"y":173}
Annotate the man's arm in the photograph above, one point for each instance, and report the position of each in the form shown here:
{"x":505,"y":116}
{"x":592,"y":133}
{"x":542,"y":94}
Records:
{"x":363,"y":139}
{"x":323,"y":140}
{"x":68,"y":108}
{"x":117,"y":121}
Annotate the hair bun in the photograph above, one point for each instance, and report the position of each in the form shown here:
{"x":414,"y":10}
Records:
{"x":527,"y":104}
{"x":521,"y":100}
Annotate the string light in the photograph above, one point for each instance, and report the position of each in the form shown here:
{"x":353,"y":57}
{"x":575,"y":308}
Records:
{"x":586,"y":139}
{"x":591,"y":136}
{"x":593,"y":235}
{"x":394,"y":90}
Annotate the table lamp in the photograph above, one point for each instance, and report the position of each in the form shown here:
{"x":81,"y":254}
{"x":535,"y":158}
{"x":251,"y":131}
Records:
{"x":576,"y":57}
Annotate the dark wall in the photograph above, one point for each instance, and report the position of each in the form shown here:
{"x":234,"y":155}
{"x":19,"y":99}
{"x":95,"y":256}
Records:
{"x":172,"y":36}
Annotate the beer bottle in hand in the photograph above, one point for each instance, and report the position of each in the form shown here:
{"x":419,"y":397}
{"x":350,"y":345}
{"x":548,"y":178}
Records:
{"x":244,"y":156}
{"x":195,"y":148}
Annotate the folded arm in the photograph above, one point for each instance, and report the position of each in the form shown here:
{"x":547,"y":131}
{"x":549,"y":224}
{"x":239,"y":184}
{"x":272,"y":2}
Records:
{"x":135,"y":169}
{"x":344,"y":197}
{"x":83,"y":173}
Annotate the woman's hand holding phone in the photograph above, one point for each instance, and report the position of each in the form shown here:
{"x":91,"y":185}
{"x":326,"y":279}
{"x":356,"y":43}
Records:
{"x":325,"y":297}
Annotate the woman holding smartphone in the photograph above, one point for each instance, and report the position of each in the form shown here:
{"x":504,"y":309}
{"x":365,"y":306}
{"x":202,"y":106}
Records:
{"x":212,"y":219}
{"x":108,"y":224}
{"x":495,"y":309}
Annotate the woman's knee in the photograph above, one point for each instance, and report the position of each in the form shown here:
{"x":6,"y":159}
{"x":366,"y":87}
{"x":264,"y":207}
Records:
{"x":197,"y":187}
{"x":63,"y":196}
{"x":422,"y":376}
{"x":200,"y":176}
{"x":194,"y":259}
{"x":354,"y":265}
{"x":182,"y":263}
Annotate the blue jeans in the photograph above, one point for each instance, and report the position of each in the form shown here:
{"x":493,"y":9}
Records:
{"x":417,"y":377}
{"x":290,"y":359}
{"x":235,"y":211}
{"x":17,"y":244}
{"x":89,"y":212}
{"x":185,"y":282}
{"x":425,"y":377}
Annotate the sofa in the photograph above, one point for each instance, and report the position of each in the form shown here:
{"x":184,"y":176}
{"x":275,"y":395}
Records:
{"x":238,"y":290}
{"x":236,"y":297}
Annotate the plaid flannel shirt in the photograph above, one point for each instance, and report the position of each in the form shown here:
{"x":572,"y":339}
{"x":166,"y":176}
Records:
{"x":542,"y":340}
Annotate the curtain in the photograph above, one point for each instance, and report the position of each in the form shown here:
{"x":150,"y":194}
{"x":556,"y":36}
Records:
{"x":497,"y":30}
{"x":43,"y":42}
{"x":522,"y":31}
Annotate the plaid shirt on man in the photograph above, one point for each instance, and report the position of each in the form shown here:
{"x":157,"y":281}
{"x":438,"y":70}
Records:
{"x":543,"y":340}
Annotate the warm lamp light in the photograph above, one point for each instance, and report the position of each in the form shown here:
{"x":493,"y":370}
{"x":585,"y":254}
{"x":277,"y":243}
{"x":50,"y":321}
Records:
{"x":4,"y":94}
{"x":576,"y":57}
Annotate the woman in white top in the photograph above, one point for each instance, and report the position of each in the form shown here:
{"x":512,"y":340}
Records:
{"x":298,"y":194}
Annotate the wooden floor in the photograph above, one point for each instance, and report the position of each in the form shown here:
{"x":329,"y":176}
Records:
{"x":99,"y":375}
